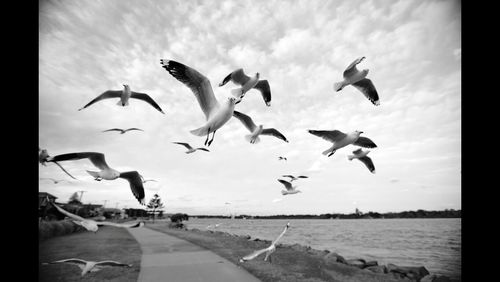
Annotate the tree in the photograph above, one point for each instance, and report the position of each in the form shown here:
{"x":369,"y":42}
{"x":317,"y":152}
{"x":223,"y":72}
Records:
{"x":176,"y":220}
{"x":154,"y":205}
{"x":74,"y":199}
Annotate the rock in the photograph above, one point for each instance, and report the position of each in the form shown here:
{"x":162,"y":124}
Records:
{"x":377,"y":268}
{"x":411,"y":272}
{"x":428,"y":278}
{"x":371,"y":263}
{"x":356,"y":262}
{"x":247,"y":237}
{"x":442,"y":278}
{"x":334,"y":257}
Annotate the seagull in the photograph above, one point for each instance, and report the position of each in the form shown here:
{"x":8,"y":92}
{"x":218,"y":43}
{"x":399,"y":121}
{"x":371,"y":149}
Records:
{"x":43,"y":157}
{"x":340,"y":139}
{"x":293,"y":178}
{"x":54,"y":180}
{"x":146,"y":180}
{"x":124,"y":96}
{"x":281,"y":158}
{"x":289,"y":188}
{"x":256,"y":130}
{"x":216,"y":115}
{"x":356,"y":78}
{"x":190,"y":149}
{"x":106,"y":172}
{"x":362,"y":156}
{"x":247,"y":83}
{"x":269,"y":250}
{"x":122,"y":131}
{"x":89,"y":266}
{"x":92,"y":225}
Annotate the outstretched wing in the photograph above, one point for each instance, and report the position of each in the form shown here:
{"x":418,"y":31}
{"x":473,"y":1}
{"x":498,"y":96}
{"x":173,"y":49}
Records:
{"x":351,"y":69}
{"x":113,"y":129}
{"x":265,"y":91}
{"x":238,"y":76}
{"x":135,"y":181}
{"x":287,"y":184}
{"x":275,"y":133}
{"x":112,"y":263}
{"x":184,"y":144}
{"x":368,"y":162}
{"x":68,"y":214}
{"x":282,"y":233}
{"x":71,"y":260}
{"x":246,"y":120}
{"x":254,"y":254}
{"x":106,"y":95}
{"x":198,"y":83}
{"x":368,"y":89}
{"x":97,"y":159}
{"x":146,"y":98}
{"x":134,"y":128}
{"x":122,"y":225}
{"x":329,"y":135}
{"x":364,"y":142}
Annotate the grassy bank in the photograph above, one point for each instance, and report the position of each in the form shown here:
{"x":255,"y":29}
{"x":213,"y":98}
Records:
{"x":109,"y":243}
{"x":289,"y":262}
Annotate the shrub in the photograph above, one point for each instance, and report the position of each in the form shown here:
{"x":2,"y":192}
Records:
{"x":49,"y":229}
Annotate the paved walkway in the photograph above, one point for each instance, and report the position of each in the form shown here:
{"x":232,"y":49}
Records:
{"x":168,"y":259}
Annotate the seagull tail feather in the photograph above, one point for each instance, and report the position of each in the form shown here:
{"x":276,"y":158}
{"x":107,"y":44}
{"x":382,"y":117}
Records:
{"x":120,"y":103}
{"x":337,"y":86}
{"x":328,"y":151}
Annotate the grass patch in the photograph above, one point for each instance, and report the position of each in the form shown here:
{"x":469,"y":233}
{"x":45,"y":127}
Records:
{"x":109,"y":243}
{"x":288,"y":263}
{"x":49,"y":229}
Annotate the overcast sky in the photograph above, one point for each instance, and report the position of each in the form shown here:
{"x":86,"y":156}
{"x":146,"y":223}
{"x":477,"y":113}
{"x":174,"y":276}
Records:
{"x":412,"y":50}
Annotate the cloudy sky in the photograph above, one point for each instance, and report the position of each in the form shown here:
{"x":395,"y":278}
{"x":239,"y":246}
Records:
{"x":412,"y":49}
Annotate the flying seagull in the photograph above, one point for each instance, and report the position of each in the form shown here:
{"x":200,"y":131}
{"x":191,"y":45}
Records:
{"x":289,"y":188}
{"x":356,"y":78}
{"x":256,"y":130}
{"x":280,"y":158}
{"x":247,"y":83}
{"x":269,"y":250}
{"x":54,"y":180}
{"x":89,"y":266}
{"x":362,"y":156}
{"x":340,"y":139}
{"x":124,"y":95}
{"x":190,"y":149}
{"x":106,"y":172}
{"x":43,"y":158}
{"x":122,"y":131}
{"x":216,"y":115}
{"x":293,"y":178}
{"x":92,"y":225}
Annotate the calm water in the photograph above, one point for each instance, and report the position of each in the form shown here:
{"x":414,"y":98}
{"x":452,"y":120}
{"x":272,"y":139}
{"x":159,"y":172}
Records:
{"x":433,"y":243}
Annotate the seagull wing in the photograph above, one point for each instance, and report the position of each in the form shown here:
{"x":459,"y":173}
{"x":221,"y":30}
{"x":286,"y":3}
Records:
{"x":246,"y":120}
{"x":368,"y":89}
{"x":112,"y":263}
{"x":123,"y":225}
{"x":135,"y":181}
{"x":238,"y":76}
{"x":287,"y":184}
{"x":288,"y":175}
{"x":265,"y":91}
{"x":368,"y":162}
{"x":364,"y":142}
{"x":146,"y":98}
{"x":134,"y":128}
{"x":203,"y":149}
{"x":329,"y":135}
{"x":106,"y":95}
{"x":302,"y":176}
{"x":97,"y":159}
{"x":198,"y":83}
{"x":358,"y":151}
{"x":184,"y":144}
{"x":113,"y":129}
{"x":63,"y":169}
{"x":351,"y":69}
{"x":68,"y":214}
{"x":71,"y":260}
{"x":254,"y":254}
{"x":282,"y":233}
{"x":275,"y":133}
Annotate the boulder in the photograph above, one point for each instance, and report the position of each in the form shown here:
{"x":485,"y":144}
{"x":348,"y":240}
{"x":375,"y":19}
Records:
{"x":371,"y":263}
{"x":412,"y":272}
{"x":356,"y":262}
{"x":334,"y":257}
{"x":377,"y":268}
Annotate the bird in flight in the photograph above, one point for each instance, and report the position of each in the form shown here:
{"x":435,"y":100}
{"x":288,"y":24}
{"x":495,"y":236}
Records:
{"x":43,"y":158}
{"x":92,"y":225}
{"x":190,"y":149}
{"x":216,"y":115}
{"x":289,"y":188}
{"x":293,"y":178}
{"x":280,"y":158}
{"x":239,"y":77}
{"x":124,"y":96}
{"x":340,"y":139}
{"x":122,"y":131}
{"x":269,"y":250}
{"x":362,"y":156}
{"x":253,"y":138}
{"x":106,"y":172}
{"x":356,"y":78}
{"x":89,"y":266}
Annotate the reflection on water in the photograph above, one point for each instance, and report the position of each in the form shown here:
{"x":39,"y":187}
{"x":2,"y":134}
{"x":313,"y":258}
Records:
{"x":434,"y":243}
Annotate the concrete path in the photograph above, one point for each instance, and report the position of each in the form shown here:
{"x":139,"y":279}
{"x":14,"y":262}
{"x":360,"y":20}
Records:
{"x":168,"y":259}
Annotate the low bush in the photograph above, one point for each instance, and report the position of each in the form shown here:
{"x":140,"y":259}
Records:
{"x":49,"y":229}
